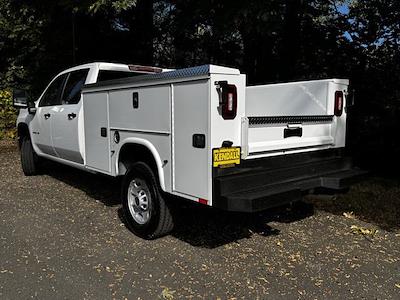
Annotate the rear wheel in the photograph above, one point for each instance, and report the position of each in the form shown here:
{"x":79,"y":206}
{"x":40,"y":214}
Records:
{"x":144,"y":206}
{"x":29,"y":159}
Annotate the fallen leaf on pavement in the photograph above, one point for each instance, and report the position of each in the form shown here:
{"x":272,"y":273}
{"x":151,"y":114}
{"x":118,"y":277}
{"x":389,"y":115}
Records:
{"x":349,"y":215}
{"x":167,"y":294}
{"x":362,"y":230}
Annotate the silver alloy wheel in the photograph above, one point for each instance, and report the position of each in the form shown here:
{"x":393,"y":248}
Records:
{"x":139,"y":198}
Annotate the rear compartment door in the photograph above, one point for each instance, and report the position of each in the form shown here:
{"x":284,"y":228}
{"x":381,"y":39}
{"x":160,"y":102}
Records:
{"x":97,"y":140}
{"x":191,"y":139}
{"x":290,"y":117}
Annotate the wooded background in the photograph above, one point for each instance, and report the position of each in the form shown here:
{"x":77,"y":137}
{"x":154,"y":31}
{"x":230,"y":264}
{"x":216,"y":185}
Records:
{"x":270,"y":41}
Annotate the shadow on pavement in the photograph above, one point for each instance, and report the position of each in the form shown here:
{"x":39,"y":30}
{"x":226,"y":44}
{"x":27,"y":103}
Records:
{"x":99,"y":187}
{"x":211,"y":228}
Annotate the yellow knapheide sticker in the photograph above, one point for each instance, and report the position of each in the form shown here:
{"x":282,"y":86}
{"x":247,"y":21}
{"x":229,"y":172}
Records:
{"x":226,"y":156}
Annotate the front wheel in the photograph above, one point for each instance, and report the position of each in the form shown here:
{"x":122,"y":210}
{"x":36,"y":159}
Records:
{"x":144,"y":206}
{"x":29,"y":159}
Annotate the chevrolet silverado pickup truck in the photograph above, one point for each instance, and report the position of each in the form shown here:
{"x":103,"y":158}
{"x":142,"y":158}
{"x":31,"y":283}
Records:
{"x":197,"y":133}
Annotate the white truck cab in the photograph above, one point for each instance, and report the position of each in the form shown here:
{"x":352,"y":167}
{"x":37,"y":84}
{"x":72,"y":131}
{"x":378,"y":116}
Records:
{"x":198,"y":133}
{"x":56,"y":129}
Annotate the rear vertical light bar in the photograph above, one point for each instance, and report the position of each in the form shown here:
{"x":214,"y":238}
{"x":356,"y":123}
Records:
{"x":228,"y":100}
{"x":339,"y":99}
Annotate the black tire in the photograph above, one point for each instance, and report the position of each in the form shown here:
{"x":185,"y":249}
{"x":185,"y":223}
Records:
{"x":160,"y":221}
{"x":29,"y":159}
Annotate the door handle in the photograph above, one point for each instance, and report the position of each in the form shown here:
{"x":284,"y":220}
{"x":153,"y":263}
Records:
{"x":71,"y":116}
{"x":46,"y":116}
{"x":292,"y":132}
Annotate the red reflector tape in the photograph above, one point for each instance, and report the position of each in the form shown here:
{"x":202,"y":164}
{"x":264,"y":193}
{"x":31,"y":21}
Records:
{"x":203,"y":201}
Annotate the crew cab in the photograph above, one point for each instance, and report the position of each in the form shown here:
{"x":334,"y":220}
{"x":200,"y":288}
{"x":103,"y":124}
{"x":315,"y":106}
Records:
{"x":197,"y":133}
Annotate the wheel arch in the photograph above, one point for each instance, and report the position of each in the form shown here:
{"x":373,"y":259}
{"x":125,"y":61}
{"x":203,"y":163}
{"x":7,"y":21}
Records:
{"x":137,"y":149}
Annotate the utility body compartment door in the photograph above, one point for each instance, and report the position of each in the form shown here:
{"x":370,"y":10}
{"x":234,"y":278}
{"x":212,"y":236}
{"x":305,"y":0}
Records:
{"x":97,"y":140}
{"x":190,"y":117}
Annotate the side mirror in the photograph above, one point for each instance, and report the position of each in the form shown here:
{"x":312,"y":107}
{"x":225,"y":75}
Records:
{"x":20,"y":98}
{"x":31,"y":107}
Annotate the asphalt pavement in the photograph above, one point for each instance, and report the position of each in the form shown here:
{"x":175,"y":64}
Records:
{"x":62,"y":236}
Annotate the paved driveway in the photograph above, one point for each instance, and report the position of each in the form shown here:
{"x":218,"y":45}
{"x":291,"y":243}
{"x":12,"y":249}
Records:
{"x":62,"y":236}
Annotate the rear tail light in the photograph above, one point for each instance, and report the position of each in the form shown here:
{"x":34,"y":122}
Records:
{"x":339,"y":99}
{"x":228,"y":93}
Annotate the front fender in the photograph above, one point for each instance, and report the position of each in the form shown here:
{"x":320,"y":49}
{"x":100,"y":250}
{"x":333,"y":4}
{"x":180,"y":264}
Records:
{"x":23,"y":117}
{"x":23,"y":122}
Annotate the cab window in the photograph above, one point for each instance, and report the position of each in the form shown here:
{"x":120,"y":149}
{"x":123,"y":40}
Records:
{"x":73,"y":87}
{"x":52,"y":95}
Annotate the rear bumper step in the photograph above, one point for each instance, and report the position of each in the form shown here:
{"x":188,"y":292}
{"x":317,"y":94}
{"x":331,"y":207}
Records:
{"x":259,"y":188}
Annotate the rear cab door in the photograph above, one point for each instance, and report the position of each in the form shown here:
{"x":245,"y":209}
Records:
{"x":67,"y":137}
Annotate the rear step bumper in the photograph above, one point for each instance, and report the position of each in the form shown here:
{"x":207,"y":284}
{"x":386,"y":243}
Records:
{"x":264,"y":183}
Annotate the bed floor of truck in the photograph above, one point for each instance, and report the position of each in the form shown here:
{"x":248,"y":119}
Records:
{"x":259,"y":184}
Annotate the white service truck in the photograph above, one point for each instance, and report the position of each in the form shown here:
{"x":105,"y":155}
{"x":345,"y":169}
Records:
{"x":198,"y":133}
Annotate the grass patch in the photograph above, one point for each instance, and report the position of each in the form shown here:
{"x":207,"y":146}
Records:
{"x":8,"y":115}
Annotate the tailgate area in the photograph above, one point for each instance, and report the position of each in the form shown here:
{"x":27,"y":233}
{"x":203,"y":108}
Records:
{"x":296,"y":117}
{"x":263,"y":183}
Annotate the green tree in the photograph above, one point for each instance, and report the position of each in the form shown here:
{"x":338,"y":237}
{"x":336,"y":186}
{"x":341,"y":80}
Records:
{"x":374,"y":30}
{"x":20,"y":31}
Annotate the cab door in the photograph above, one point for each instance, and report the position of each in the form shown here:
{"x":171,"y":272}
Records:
{"x":68,"y":117}
{"x":41,"y":124}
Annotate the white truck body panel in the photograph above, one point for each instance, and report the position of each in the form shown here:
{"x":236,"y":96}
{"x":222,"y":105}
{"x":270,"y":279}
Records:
{"x":170,"y":111}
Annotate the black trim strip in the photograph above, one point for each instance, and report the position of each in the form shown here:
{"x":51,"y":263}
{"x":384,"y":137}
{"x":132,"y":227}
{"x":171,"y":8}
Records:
{"x":289,"y":120}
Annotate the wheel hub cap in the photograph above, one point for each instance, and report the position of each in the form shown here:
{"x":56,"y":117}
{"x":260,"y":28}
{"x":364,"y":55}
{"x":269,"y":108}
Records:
{"x":138,"y":200}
